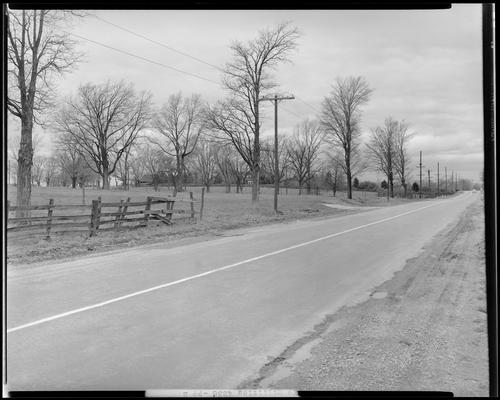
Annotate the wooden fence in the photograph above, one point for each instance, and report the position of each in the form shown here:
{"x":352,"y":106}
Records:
{"x":131,"y":213}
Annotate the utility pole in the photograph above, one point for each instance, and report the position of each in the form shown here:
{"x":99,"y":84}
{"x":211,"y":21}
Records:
{"x":429,"y":179}
{"x":420,"y":187}
{"x":276,"y":98}
{"x":438,"y":181}
{"x":445,"y":181}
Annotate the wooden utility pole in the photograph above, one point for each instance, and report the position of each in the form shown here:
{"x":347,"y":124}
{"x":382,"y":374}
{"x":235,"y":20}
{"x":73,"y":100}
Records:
{"x":429,"y":179}
{"x":276,"y":98}
{"x":438,"y":181}
{"x":420,"y":187}
{"x":445,"y":180}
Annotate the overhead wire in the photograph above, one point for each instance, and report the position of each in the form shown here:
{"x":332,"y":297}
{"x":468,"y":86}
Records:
{"x":159,"y":43}
{"x":143,"y":58}
{"x":186,"y":55}
{"x":168,"y":66}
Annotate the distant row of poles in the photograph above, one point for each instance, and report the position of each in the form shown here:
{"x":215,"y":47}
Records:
{"x":454,"y":179}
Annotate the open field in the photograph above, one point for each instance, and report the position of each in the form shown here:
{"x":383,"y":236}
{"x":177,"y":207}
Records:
{"x":222,"y":211}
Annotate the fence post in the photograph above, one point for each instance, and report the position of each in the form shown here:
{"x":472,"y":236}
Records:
{"x":118,"y":214}
{"x":202,"y":202}
{"x":49,"y":217}
{"x":93,"y":217}
{"x":192,"y":204}
{"x":98,"y":213}
{"x":147,"y":208}
{"x":124,"y":210}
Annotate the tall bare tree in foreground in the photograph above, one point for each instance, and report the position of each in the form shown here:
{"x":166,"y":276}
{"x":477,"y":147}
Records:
{"x":304,"y":150}
{"x":340,"y":119}
{"x":104,"y":121}
{"x":248,"y":79}
{"x":36,"y":51}
{"x":382,"y":150}
{"x":178,"y":125}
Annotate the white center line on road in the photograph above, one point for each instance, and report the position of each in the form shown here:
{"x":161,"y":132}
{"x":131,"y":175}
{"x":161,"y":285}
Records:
{"x":164,"y":285}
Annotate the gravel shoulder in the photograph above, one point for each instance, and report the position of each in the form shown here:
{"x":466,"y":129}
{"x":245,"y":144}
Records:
{"x":425,"y":329}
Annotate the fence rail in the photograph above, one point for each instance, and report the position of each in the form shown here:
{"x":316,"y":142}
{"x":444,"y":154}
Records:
{"x":96,"y":217}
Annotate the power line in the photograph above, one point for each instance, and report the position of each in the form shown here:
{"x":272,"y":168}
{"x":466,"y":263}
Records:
{"x":290,"y":112}
{"x":160,"y":44}
{"x":186,"y":55}
{"x":307,"y":104}
{"x":142,"y":58}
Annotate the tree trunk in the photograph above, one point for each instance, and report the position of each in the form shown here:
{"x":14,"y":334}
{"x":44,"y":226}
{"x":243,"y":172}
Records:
{"x":73,"y":182}
{"x":228,"y":188}
{"x":24,"y":164}
{"x":256,"y":153}
{"x":179,"y":179}
{"x":349,"y":185}
{"x":255,"y":185}
{"x":105,"y":179}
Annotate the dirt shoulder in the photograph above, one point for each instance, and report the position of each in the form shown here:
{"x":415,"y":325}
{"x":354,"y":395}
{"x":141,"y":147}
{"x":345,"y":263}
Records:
{"x":425,"y":329}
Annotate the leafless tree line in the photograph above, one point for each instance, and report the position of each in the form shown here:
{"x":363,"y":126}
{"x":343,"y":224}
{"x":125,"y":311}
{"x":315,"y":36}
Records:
{"x":111,"y":129}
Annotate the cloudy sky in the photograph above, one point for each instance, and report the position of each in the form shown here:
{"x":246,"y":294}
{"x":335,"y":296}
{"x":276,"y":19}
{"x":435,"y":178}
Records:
{"x":424,"y":67}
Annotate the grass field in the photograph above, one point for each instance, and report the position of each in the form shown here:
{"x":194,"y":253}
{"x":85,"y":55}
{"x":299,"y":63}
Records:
{"x":222,"y":211}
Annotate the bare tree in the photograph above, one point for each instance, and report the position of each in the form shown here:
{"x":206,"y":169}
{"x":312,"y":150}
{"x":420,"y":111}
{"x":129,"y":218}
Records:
{"x":268,"y":157}
{"x":402,"y":160}
{"x":382,"y":150}
{"x":38,"y":169}
{"x":205,"y":162}
{"x":158,"y":164}
{"x":340,"y":119}
{"x":178,"y":125}
{"x":223,"y":156}
{"x":51,"y":167}
{"x":36,"y":50}
{"x":304,"y":150}
{"x":239,"y":171}
{"x":335,"y":175}
{"x":104,"y":121}
{"x":137,"y":165}
{"x":248,"y":79}
{"x":123,"y":165}
{"x":71,"y":162}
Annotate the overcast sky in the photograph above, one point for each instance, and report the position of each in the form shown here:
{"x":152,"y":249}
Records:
{"x":424,"y":67}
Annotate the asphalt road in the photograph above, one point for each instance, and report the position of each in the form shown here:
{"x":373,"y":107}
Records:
{"x":208,"y":314}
